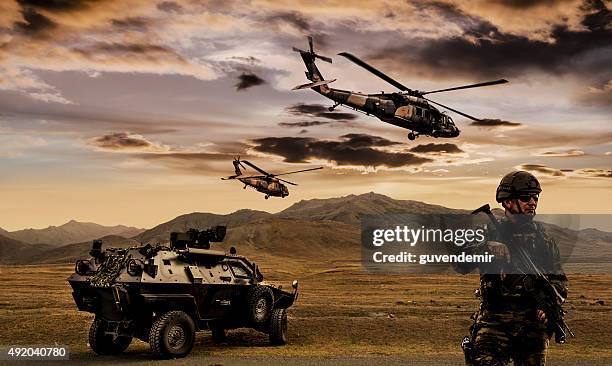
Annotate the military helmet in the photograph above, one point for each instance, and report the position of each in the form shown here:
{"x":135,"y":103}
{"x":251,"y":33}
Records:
{"x":515,"y":183}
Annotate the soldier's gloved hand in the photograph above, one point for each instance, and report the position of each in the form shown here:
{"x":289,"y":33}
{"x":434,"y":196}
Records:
{"x":500,"y":250}
{"x":542,"y":316}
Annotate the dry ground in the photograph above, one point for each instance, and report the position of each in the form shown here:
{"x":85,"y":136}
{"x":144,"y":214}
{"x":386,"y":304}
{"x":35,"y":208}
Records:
{"x":341,"y":312}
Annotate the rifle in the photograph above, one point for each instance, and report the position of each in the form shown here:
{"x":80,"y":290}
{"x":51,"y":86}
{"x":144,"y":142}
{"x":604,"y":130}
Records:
{"x":546,"y":297}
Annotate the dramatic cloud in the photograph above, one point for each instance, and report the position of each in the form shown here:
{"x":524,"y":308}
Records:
{"x":123,"y":141}
{"x":169,"y":7}
{"x":56,"y":5}
{"x":437,"y":148}
{"x":136,"y":23}
{"x":596,"y":96}
{"x":34,"y":24}
{"x":540,"y":138}
{"x":485,"y":51}
{"x":595,"y":173}
{"x":541,"y":169}
{"x":194,"y":163}
{"x":581,"y":173}
{"x":303,"y":123}
{"x":300,"y":25}
{"x":567,"y":153}
{"x":99,"y":50}
{"x":248,"y":80}
{"x":363,"y":140}
{"x":351,"y":150}
{"x":320,"y":111}
{"x":493,"y":123}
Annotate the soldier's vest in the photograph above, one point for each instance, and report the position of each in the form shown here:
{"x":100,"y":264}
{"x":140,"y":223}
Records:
{"x":506,"y":290}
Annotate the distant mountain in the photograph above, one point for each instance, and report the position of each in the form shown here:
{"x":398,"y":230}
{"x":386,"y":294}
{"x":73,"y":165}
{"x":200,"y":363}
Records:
{"x":295,"y":238}
{"x":71,"y":252}
{"x":199,"y":220}
{"x":71,"y":232}
{"x":14,"y":251}
{"x":351,"y":208}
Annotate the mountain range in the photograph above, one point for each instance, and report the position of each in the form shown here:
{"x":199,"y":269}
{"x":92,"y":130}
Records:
{"x":71,"y":232}
{"x":307,"y":230}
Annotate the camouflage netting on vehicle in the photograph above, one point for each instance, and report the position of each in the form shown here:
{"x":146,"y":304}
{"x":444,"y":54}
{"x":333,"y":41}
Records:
{"x":110,"y":269}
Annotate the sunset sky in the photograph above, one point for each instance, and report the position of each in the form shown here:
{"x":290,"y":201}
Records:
{"x":129,"y":112}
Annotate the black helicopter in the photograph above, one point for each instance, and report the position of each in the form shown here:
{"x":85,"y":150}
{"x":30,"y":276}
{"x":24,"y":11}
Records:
{"x":408,"y":109}
{"x":265,"y":183}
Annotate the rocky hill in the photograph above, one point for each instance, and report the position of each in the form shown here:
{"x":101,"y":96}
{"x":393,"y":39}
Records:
{"x":199,"y":220}
{"x":71,"y":232}
{"x":14,"y":251}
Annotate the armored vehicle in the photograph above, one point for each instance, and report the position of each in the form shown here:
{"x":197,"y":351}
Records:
{"x":164,"y":295}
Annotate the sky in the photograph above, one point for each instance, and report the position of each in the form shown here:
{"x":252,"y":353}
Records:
{"x":129,"y":112}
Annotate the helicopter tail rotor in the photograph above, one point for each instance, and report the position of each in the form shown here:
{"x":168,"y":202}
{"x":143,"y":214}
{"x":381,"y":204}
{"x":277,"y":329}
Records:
{"x":237,"y":165}
{"x":311,"y":52}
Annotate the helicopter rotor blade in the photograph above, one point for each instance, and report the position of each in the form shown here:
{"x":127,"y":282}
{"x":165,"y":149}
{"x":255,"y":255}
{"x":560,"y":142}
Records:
{"x":487,"y":83}
{"x":297,"y":171}
{"x":310,"y":44}
{"x":454,"y":110}
{"x":374,"y":71}
{"x":256,"y":168}
{"x":324,"y":58}
{"x":286,"y":181}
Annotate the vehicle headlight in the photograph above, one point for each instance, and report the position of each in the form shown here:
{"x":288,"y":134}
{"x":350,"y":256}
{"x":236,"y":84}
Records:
{"x":83,"y":267}
{"x":134,"y":267}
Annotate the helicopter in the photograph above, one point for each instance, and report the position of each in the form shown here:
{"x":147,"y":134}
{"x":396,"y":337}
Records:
{"x":407,"y":109}
{"x":266,"y":182}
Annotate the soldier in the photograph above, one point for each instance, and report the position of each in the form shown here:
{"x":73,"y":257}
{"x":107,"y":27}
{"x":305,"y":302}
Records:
{"x":509,"y":324}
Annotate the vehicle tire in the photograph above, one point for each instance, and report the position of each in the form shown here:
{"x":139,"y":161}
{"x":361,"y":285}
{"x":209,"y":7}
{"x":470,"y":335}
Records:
{"x":105,"y":344}
{"x":278,"y":327}
{"x":411,"y":136}
{"x":172,"y":335}
{"x":260,"y":300}
{"x":218,"y":334}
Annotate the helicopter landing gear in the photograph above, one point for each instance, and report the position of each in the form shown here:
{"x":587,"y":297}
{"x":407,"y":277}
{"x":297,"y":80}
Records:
{"x":244,"y":187}
{"x":412,"y":136}
{"x":267,"y":197}
{"x":331,"y":109}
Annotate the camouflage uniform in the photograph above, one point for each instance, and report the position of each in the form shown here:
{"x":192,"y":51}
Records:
{"x":506,"y":326}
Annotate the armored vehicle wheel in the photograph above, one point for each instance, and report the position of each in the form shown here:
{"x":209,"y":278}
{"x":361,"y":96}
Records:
{"x":106,"y":344}
{"x":172,"y":334}
{"x":260,"y":300}
{"x":218,"y":334}
{"x":278,"y":327}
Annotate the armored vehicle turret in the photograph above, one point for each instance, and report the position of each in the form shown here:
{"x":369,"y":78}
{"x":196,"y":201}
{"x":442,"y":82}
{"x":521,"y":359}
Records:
{"x":164,"y":295}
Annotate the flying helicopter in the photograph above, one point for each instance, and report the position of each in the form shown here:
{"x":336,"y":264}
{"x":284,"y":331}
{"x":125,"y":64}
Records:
{"x":408,"y":109}
{"x":266,"y":182}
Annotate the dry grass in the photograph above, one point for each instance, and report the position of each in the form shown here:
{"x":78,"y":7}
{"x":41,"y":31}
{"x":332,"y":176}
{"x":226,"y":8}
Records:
{"x":341,"y":311}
